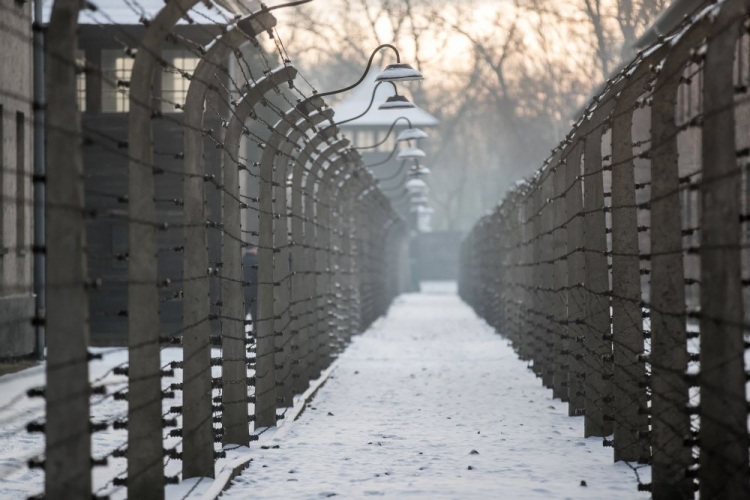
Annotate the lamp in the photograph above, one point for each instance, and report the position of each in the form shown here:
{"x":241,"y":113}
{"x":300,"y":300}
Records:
{"x":405,"y":103}
{"x":411,"y":134}
{"x":406,"y":135}
{"x":398,"y":72}
{"x":417,"y":187}
{"x":410,"y":153}
{"x":397,"y":102}
{"x":418,"y":170}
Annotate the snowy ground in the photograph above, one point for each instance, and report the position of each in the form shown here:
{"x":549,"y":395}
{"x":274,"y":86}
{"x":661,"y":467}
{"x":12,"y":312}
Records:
{"x":431,"y":403}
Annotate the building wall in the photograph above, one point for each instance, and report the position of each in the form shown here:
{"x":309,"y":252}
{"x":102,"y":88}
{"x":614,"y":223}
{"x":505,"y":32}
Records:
{"x":17,"y":337}
{"x":106,"y":165}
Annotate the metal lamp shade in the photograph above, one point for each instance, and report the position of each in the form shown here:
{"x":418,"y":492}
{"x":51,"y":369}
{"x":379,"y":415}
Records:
{"x":411,"y":134}
{"x":411,"y":153}
{"x":417,"y":187}
{"x":397,"y":102}
{"x":399,"y":72}
{"x":419,"y":171}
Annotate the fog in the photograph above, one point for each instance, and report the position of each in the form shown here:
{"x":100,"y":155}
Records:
{"x":505,"y":78}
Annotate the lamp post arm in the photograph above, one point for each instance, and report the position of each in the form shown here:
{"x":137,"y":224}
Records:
{"x":367,"y":70}
{"x":395,"y":147}
{"x":372,"y":100}
{"x":388,"y":134}
{"x":289,"y":4}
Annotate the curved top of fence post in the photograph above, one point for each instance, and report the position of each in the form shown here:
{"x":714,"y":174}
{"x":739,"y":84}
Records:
{"x":245,"y":30}
{"x":289,"y":129}
{"x":324,"y":135}
{"x":321,"y":135}
{"x":325,"y":155}
{"x":218,"y":52}
{"x":244,"y":109}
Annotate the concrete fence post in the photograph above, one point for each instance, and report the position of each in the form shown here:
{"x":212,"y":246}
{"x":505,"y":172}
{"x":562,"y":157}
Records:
{"x":325,"y":260}
{"x":265,"y":376}
{"x":317,"y":260}
{"x":301,"y":238}
{"x":546,"y":316}
{"x":723,"y":408}
{"x":559,"y":249}
{"x":670,"y":422}
{"x":598,"y":364}
{"x":575,"y":263}
{"x":629,"y":382}
{"x":145,"y":454}
{"x":198,"y":427}
{"x":278,"y":153}
{"x":68,"y":433}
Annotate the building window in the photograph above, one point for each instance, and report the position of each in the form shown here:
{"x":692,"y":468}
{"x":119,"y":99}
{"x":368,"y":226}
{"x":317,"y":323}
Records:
{"x":174,"y":86}
{"x":21,"y":202}
{"x":366,"y":138}
{"x":389,"y":143}
{"x":117,"y":69}
{"x":81,"y":80}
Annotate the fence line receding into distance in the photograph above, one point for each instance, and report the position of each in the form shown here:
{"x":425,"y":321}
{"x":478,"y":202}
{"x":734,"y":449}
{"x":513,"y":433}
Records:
{"x":621,"y":269}
{"x":258,"y":163}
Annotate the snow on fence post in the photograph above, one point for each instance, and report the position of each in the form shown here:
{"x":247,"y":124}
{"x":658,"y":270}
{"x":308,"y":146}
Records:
{"x":629,"y":378}
{"x":598,"y":347}
{"x":670,"y":422}
{"x":575,"y":263}
{"x":67,"y":427}
{"x":723,"y":409}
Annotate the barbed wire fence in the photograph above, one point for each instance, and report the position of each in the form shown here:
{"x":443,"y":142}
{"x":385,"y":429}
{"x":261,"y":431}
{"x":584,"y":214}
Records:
{"x":620,"y":270}
{"x":327,"y":241}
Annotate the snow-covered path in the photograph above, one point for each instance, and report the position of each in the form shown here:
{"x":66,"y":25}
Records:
{"x":431,"y":403}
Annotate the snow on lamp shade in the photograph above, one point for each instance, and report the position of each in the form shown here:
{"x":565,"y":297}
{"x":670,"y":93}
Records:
{"x":411,"y":134}
{"x":399,"y":72}
{"x":410,"y":153}
{"x":397,"y":102}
